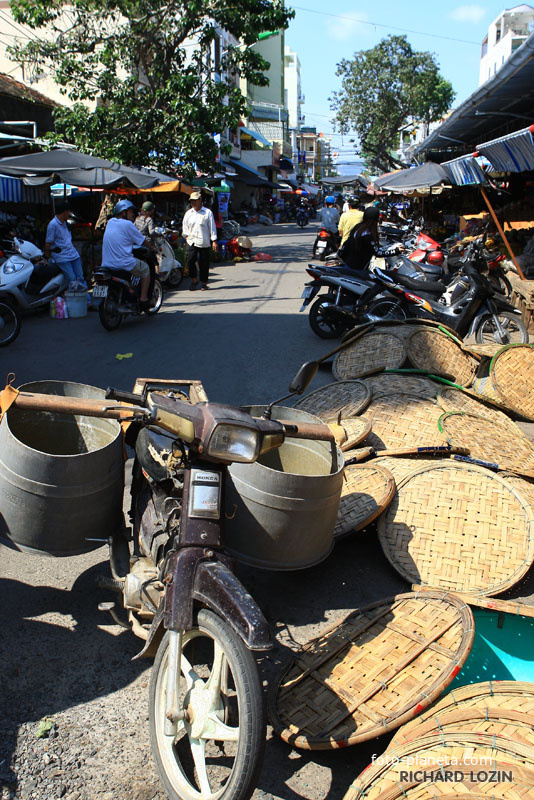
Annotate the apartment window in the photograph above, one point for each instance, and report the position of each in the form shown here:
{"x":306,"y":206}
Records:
{"x":217,"y":54}
{"x":497,"y":35}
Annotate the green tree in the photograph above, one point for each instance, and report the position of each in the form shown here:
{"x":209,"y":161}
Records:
{"x":146,"y":64}
{"x":385,"y":88}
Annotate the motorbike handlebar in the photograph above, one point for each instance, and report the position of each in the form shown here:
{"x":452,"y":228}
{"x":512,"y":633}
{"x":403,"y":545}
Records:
{"x":125,"y":397}
{"x":308,"y":430}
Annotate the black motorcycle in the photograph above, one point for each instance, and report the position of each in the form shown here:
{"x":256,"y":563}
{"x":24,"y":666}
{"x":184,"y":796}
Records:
{"x":326,"y":243}
{"x":119,"y":292}
{"x":302,"y":218}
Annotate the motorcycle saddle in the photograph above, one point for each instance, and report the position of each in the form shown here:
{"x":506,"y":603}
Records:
{"x":108,"y":272}
{"x":428,"y":287}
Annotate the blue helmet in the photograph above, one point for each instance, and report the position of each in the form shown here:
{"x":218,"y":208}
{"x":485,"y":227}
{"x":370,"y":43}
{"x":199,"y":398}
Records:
{"x":122,"y":205}
{"x":330,"y":199}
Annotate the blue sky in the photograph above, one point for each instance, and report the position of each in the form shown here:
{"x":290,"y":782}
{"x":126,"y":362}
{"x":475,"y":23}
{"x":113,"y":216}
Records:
{"x":323,"y":33}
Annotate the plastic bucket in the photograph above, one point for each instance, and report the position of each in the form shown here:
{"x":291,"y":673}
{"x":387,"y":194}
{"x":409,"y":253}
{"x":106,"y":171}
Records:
{"x":61,"y":476}
{"x":281,"y":510}
{"x":76,"y":303}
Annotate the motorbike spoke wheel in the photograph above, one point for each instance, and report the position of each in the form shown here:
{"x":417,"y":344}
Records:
{"x":157,"y":297}
{"x":108,"y":311}
{"x":512,"y":325}
{"x":9,"y":324}
{"x":386,"y":309}
{"x":501,"y":284}
{"x":175,"y":278}
{"x":217,"y":749}
{"x":321,"y":322}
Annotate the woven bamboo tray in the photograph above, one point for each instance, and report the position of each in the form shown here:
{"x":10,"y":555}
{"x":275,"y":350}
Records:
{"x":456,"y":400}
{"x":373,"y":351}
{"x":386,"y":785}
{"x":357,"y":429}
{"x":489,"y":441}
{"x":372,"y":671}
{"x":506,"y":696}
{"x":458,"y":527}
{"x":515,"y":607}
{"x":512,"y":375}
{"x":437,"y":353}
{"x":386,"y":384}
{"x":346,"y":397}
{"x":453,"y":752}
{"x":404,"y":420}
{"x":367,"y":491}
{"x":402,"y":466}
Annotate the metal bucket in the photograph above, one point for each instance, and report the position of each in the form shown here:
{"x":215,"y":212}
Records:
{"x":281,"y":510}
{"x":61,"y":476}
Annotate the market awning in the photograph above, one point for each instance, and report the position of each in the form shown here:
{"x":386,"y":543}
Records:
{"x":345,"y":180}
{"x":313,"y":190}
{"x":512,"y":153}
{"x":465,"y":171}
{"x":250,"y":177}
{"x":257,"y":136}
{"x":494,"y":109}
{"x":413,"y":179}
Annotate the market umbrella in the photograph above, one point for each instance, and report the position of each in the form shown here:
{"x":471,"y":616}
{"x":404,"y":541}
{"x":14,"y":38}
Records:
{"x":409,"y":180}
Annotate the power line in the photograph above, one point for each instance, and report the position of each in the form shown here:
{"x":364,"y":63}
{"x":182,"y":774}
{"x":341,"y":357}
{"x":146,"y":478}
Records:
{"x":381,"y":25}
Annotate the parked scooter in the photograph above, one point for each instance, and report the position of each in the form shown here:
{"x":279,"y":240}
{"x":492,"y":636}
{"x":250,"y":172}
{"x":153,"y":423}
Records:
{"x":177,"y":586}
{"x":28,"y":282}
{"x":170,"y":271}
{"x":119,"y":291}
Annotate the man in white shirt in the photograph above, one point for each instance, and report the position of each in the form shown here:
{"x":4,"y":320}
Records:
{"x":58,"y":237}
{"x":198,"y":229}
{"x":120,"y":237}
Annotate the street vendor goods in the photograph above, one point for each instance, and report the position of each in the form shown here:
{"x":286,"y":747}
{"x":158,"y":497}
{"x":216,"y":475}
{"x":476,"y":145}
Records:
{"x":343,"y":397}
{"x":367,"y":490}
{"x":458,"y":527}
{"x":374,"y":351}
{"x":172,"y":574}
{"x":511,"y":373}
{"x":369,"y":673}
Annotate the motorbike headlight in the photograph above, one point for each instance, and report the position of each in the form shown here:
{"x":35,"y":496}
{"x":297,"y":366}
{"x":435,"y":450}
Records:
{"x":12,"y":266}
{"x":234,"y":443}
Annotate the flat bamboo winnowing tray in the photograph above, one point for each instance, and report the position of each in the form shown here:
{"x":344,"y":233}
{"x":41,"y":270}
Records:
{"x":402,"y":421}
{"x":388,"y":383}
{"x":503,"y":696}
{"x":438,"y":353}
{"x":451,"y":399}
{"x":372,"y":671}
{"x":512,"y":375}
{"x":373,"y":351}
{"x":346,"y":397}
{"x":366,"y":492}
{"x":356,"y":429}
{"x":458,"y":527}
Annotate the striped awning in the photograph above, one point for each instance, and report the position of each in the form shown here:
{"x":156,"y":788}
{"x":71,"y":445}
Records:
{"x":465,"y":171}
{"x":512,"y":153}
{"x":12,"y":190}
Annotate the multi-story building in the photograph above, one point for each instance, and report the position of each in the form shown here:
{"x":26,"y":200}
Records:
{"x":505,"y":35}
{"x":314,"y":158}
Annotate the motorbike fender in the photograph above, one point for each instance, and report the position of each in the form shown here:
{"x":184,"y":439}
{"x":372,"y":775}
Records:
{"x":217,"y":587}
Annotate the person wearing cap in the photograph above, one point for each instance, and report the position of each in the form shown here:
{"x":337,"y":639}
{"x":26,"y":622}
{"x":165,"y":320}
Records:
{"x":349,"y":219}
{"x":58,"y":236}
{"x":198,"y":229}
{"x":329,"y":215}
{"x":120,"y":237}
{"x":145,"y":222}
{"x":362,"y":243}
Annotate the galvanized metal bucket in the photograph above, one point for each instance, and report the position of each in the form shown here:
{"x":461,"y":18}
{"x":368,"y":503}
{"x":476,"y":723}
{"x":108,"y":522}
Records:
{"x":281,"y":510}
{"x":61,"y":476}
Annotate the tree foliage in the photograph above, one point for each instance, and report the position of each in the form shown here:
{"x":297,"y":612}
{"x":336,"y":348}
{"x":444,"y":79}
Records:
{"x":146,"y":65}
{"x":385,"y":88}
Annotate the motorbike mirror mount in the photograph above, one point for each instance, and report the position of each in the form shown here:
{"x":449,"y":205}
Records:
{"x":298,"y":385}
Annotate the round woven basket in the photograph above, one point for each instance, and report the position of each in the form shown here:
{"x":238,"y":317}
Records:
{"x":512,"y":372}
{"x":377,"y":350}
{"x":402,"y":466}
{"x":458,"y":527}
{"x":389,"y":383}
{"x":451,"y":399}
{"x":435,"y":352}
{"x":503,"y":696}
{"x":489,"y":441}
{"x":369,"y":673}
{"x":346,"y":397}
{"x":357,"y":429}
{"x":404,"y":420}
{"x":422,"y":762}
{"x":367,"y":491}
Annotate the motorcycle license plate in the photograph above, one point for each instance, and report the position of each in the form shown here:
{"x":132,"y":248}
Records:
{"x":100,"y":291}
{"x":307,"y":291}
{"x":321,"y":245}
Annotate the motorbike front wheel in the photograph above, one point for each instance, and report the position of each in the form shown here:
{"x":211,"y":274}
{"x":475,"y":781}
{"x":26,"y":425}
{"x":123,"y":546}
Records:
{"x":513,"y":326}
{"x":322,"y":323}
{"x":9,"y":324}
{"x":217,"y":750}
{"x":157,"y":297}
{"x":108,"y":311}
{"x":174,"y":278}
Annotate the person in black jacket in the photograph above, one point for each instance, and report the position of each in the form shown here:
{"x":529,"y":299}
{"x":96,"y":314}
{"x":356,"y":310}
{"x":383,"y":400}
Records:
{"x":362,"y":243}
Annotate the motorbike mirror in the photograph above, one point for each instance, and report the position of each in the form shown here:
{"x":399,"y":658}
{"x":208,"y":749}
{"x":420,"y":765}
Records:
{"x":304,"y":377}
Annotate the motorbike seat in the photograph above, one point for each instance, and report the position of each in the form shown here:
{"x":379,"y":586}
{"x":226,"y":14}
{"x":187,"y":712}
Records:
{"x":431,"y":288}
{"x":40,"y":277}
{"x":112,"y":272}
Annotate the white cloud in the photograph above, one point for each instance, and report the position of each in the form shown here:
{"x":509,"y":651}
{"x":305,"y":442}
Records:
{"x":468,"y":13}
{"x":346,"y":25}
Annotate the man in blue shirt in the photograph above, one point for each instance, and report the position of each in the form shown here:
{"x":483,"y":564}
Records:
{"x":329,"y":215}
{"x":59,"y":236}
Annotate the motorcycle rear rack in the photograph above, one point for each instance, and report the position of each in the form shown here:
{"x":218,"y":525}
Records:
{"x":193,"y":389}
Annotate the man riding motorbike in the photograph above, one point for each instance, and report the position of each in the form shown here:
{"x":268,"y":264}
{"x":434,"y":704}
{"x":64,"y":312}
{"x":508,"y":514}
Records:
{"x":349,"y":219}
{"x":120,"y":238}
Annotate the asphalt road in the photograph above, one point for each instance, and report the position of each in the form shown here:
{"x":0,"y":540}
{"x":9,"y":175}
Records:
{"x":244,"y":338}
